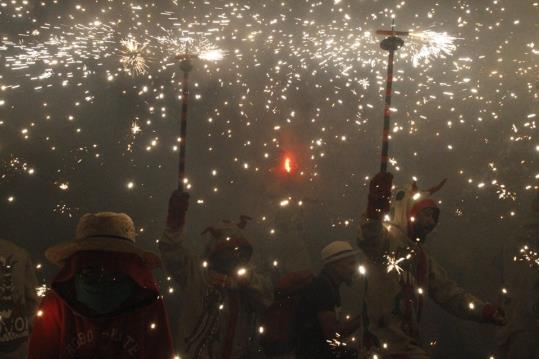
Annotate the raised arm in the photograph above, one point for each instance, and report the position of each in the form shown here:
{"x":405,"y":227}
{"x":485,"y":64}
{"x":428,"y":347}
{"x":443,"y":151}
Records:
{"x":179,"y":259}
{"x":373,"y":236}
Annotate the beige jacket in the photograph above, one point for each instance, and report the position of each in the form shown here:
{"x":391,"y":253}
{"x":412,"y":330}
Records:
{"x":217,"y":319}
{"x":394,"y":299}
{"x":18,"y":297}
{"x":395,"y":294}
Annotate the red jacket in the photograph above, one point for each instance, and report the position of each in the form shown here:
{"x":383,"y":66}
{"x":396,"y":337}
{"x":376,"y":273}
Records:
{"x":138,"y":330}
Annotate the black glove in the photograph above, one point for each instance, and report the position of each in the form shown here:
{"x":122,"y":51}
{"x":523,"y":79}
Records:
{"x":177,"y":208}
{"x":379,"y":195}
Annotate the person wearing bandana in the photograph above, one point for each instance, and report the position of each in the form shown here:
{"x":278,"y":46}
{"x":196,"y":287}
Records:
{"x":104,"y":302}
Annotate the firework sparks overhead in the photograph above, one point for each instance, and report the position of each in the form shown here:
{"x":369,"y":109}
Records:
{"x":212,"y":55}
{"x":430,"y":45}
{"x":195,"y":45}
{"x":282,"y":53}
{"x":529,"y":256}
{"x":133,"y":57}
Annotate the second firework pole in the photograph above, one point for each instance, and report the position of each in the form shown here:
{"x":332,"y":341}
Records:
{"x":186,"y":66}
{"x":391,"y":43}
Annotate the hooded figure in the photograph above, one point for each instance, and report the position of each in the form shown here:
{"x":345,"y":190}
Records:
{"x":18,"y":300}
{"x":104,"y":302}
{"x":401,"y":273}
{"x":220,"y":294}
{"x":520,"y":338}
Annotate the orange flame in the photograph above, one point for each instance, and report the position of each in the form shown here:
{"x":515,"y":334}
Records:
{"x":288,"y":165}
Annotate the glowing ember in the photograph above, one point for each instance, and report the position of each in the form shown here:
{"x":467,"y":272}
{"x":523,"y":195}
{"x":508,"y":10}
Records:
{"x":529,"y":256}
{"x":241,"y":272}
{"x":394,"y":261}
{"x":393,"y":264}
{"x":287,"y":165}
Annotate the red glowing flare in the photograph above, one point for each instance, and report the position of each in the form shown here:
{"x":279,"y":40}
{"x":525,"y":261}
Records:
{"x":288,"y":165}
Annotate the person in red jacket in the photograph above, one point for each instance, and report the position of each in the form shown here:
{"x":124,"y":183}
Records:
{"x":104,"y":302}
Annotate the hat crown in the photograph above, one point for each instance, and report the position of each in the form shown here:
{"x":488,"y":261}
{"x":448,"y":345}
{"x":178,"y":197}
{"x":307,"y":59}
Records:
{"x":106,"y":224}
{"x":103,"y":232}
{"x":335,"y":248}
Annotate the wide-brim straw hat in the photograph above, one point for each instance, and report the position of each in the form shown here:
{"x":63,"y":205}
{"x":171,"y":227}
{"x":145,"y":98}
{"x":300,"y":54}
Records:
{"x":103,"y":231}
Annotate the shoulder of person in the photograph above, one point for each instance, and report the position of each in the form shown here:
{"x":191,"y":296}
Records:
{"x":322,"y":284}
{"x":311,"y":288}
{"x":51,"y":306}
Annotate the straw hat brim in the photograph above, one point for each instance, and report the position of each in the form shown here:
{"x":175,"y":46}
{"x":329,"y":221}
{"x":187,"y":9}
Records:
{"x":59,"y":253}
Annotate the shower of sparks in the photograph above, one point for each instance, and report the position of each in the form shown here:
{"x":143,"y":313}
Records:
{"x":195,"y":45}
{"x":133,"y":58}
{"x":65,"y":210}
{"x":14,"y":165}
{"x":429,"y":45}
{"x":393,"y":264}
{"x":68,"y":47}
{"x":42,"y":290}
{"x":336,"y":343}
{"x":212,"y":55}
{"x":529,"y":256}
{"x":394,"y":261}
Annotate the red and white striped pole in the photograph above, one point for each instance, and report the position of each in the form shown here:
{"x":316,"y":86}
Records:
{"x":391,"y":43}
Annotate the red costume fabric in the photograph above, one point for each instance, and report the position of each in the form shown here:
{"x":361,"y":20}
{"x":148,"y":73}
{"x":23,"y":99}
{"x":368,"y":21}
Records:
{"x":64,"y":329}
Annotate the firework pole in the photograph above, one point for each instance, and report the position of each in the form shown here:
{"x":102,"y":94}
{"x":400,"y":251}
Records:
{"x":391,"y":44}
{"x":186,"y":66}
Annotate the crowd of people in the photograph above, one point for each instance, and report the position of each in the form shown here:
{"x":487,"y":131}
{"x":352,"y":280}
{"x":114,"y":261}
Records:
{"x":104,"y":301}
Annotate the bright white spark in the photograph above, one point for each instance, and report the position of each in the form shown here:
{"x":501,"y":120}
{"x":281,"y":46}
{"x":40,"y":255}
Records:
{"x":196,"y":46}
{"x":132,"y":57}
{"x":430,"y":45}
{"x":393,"y":264}
{"x":212,"y":55}
{"x":528,"y":255}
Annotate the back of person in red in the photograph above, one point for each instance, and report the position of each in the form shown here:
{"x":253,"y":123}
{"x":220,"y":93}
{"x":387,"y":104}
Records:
{"x":104,"y":302}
